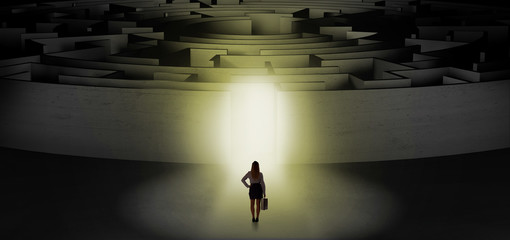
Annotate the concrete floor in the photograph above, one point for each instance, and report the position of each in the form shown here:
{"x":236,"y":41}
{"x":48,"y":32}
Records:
{"x":49,"y":196}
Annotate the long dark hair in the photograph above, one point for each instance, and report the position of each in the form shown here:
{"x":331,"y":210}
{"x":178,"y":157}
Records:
{"x":255,"y":170}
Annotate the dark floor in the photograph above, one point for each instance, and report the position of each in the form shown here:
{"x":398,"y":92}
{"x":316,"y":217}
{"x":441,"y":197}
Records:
{"x":49,"y":196}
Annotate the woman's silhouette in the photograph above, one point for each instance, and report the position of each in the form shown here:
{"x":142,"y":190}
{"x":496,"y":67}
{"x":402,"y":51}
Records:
{"x":257,"y":188}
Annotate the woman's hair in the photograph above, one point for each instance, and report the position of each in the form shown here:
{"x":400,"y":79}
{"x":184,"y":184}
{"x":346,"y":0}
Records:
{"x":255,"y":170}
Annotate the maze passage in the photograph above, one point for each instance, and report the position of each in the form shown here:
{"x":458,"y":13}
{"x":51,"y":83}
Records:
{"x":354,"y":80}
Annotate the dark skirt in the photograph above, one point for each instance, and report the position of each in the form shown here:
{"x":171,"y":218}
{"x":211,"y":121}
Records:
{"x":255,"y":191}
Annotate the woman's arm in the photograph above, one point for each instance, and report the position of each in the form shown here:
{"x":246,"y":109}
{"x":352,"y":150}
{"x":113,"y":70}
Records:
{"x":263,"y":184}
{"x":244,"y":180}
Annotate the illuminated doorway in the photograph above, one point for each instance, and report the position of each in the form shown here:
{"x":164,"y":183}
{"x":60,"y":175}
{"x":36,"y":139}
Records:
{"x":253,"y":124}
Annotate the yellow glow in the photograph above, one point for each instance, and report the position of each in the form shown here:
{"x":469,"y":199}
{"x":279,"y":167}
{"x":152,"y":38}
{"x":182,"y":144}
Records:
{"x":253,"y":125}
{"x":309,"y":201}
{"x":305,"y":201}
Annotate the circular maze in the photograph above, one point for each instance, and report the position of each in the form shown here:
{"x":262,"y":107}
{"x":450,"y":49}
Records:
{"x":341,"y":80}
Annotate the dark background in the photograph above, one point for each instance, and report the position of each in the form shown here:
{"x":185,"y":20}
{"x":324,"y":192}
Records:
{"x":481,"y":2}
{"x":450,"y":197}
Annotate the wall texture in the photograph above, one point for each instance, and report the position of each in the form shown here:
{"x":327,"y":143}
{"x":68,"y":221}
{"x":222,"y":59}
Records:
{"x":401,"y":123}
{"x":221,"y":81}
{"x":120,"y":123}
{"x":312,"y":126}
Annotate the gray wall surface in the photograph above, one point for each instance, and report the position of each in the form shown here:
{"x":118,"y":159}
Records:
{"x":312,"y":126}
{"x":120,"y":123}
{"x":396,"y":123}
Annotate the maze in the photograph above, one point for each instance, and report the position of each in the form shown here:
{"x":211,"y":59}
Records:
{"x":343,"y":80}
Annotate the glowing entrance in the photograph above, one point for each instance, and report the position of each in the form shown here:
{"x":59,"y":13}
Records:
{"x":253,"y":125}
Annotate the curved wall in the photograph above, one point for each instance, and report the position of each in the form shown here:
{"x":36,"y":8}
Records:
{"x":388,"y":124}
{"x":312,"y":126}
{"x":186,"y":82}
{"x":120,"y":123}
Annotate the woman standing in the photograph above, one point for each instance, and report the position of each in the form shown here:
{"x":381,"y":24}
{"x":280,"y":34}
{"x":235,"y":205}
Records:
{"x":257,"y":188}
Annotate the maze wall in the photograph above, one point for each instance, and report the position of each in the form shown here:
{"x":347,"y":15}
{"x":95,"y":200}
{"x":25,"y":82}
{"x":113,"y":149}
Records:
{"x":354,"y":80}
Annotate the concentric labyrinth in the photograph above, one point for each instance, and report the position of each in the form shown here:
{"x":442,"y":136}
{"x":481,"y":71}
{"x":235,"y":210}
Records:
{"x":349,"y":80}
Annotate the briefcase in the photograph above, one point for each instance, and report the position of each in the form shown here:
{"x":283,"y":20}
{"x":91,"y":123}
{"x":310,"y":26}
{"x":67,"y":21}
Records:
{"x":264,"y":204}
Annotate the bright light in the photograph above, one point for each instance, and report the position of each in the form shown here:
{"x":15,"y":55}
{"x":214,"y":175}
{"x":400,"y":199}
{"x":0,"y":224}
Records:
{"x":253,"y":125}
{"x":305,"y":201}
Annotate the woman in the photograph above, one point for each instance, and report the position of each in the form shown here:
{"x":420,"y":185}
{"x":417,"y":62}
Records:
{"x":257,"y":188}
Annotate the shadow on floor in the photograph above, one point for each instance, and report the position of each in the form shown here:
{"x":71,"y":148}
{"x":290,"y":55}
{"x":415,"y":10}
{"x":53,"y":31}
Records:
{"x":50,"y":196}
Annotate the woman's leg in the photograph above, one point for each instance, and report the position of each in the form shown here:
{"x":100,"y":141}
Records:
{"x":252,"y":202}
{"x":258,"y":208}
